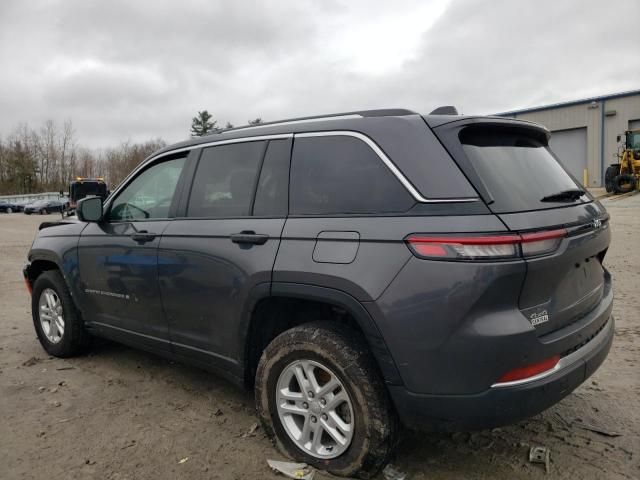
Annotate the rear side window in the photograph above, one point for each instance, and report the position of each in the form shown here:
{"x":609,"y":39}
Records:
{"x":225,"y":180}
{"x":342,"y":175}
{"x":272,"y":195}
{"x":517,"y":167}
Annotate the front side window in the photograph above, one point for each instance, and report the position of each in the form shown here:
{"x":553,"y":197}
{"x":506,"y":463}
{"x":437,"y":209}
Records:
{"x":225,"y":180}
{"x":342,"y":175}
{"x":150,"y":194}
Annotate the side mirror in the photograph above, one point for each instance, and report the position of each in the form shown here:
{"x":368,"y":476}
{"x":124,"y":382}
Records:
{"x":89,"y":209}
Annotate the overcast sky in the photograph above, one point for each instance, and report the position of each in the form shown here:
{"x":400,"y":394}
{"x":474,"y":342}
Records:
{"x":141,"y":69}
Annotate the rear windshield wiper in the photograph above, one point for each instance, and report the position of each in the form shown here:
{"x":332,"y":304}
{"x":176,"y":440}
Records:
{"x":565,"y":195}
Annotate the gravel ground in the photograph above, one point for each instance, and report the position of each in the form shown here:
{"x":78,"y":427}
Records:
{"x":122,"y":414}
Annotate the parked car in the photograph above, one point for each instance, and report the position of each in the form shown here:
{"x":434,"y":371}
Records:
{"x":361,"y":271}
{"x":19,"y":205}
{"x":43,"y":207}
{"x":6,"y":207}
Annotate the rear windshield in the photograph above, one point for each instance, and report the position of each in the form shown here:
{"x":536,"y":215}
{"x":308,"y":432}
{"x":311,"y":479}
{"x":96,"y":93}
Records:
{"x":517,"y":168}
{"x":83,"y":189}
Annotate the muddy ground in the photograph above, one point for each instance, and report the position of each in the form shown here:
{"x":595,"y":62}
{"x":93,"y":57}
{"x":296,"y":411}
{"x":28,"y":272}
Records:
{"x":122,"y":414}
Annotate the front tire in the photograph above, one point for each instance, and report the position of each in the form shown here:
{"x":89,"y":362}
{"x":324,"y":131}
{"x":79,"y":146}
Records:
{"x":58,"y":324}
{"x":321,"y":399}
{"x":624,"y":183}
{"x":9,"y":210}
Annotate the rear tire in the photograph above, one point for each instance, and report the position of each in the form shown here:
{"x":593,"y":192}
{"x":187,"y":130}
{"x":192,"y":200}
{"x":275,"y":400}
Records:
{"x":609,"y":176}
{"x":624,"y":183}
{"x":58,"y":324}
{"x":339,"y":354}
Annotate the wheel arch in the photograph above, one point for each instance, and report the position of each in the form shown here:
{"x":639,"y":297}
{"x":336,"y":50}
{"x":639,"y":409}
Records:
{"x":347,"y":309}
{"x":39,"y":264}
{"x":42,"y":260}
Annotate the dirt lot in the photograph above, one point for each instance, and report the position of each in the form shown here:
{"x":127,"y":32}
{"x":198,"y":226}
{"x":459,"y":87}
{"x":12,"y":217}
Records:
{"x":122,"y":414}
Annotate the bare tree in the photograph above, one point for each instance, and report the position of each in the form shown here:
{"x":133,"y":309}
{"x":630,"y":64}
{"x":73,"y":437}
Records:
{"x":49,"y":158}
{"x":66,"y":153}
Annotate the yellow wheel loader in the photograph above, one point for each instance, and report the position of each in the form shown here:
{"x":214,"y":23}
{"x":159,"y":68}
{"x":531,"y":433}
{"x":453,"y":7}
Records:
{"x":623,"y":177}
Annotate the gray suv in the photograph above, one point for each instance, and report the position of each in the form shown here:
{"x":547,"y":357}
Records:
{"x":360,"y":271}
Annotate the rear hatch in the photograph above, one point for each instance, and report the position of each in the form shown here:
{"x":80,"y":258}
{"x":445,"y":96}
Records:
{"x":521,"y":181}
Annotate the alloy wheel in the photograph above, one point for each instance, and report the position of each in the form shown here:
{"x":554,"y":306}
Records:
{"x":51,"y":315}
{"x":315,"y":409}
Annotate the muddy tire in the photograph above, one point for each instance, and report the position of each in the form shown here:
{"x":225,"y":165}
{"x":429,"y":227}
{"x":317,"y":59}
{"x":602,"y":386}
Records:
{"x":348,"y":427}
{"x":624,"y":183}
{"x":609,"y":175}
{"x":58,"y":324}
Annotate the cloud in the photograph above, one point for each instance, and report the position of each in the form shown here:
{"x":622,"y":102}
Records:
{"x":135,"y":70}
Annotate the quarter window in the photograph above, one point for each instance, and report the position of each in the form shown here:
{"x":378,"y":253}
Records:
{"x":225,"y":180}
{"x":150,"y":194}
{"x":342,"y":175}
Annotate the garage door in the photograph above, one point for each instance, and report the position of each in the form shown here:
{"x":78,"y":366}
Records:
{"x":571,"y":148}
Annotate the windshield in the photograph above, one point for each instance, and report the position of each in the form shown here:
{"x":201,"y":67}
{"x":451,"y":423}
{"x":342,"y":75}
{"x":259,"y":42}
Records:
{"x":518,"y":169}
{"x":633,"y":140}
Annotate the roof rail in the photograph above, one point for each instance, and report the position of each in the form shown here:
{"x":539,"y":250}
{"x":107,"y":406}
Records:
{"x":445,"y":110}
{"x":387,"y":112}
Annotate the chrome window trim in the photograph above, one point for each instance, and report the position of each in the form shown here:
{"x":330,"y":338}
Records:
{"x":564,"y":361}
{"x":329,"y":133}
{"x":275,"y":136}
{"x":387,"y":161}
{"x":295,"y":122}
{"x":144,"y":164}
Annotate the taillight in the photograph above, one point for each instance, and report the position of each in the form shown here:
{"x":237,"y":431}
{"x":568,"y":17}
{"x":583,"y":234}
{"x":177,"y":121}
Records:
{"x":529,"y":371}
{"x":540,"y":243}
{"x":485,"y":247}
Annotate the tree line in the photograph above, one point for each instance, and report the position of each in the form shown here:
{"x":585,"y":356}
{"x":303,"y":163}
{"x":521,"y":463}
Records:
{"x":49,"y":157}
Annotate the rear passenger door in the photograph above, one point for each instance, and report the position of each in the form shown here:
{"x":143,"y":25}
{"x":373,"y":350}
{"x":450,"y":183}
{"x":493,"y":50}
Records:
{"x":223,"y":246}
{"x":340,"y":232}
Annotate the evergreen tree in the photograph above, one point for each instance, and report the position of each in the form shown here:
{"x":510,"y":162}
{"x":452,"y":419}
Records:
{"x":257,"y":121}
{"x":202,"y":125}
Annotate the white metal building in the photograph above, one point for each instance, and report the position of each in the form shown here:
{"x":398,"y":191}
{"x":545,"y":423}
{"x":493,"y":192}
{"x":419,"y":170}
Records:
{"x":579,"y":127}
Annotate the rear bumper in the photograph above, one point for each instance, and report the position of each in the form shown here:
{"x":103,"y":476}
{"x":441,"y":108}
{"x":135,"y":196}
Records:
{"x":501,"y":405}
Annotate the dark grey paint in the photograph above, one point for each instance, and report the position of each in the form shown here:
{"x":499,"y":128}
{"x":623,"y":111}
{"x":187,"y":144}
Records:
{"x":336,"y":247}
{"x":206,"y":279}
{"x":119,"y":279}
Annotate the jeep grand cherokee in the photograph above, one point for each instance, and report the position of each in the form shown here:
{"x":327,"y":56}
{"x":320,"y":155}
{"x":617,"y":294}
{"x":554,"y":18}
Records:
{"x":361,"y":270}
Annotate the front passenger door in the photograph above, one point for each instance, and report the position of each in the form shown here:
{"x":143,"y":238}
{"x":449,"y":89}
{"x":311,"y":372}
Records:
{"x":118,"y":259}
